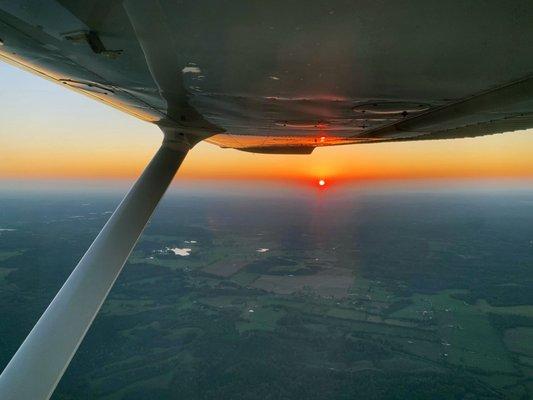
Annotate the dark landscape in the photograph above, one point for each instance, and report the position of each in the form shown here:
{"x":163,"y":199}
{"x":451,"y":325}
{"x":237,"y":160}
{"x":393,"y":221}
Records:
{"x":340,"y":294}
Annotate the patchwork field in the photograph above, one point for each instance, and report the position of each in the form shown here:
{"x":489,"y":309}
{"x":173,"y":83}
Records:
{"x":375,"y":299}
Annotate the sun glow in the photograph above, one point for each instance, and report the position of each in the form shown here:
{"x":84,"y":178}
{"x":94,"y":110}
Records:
{"x":83,"y":139}
{"x":321,"y":182}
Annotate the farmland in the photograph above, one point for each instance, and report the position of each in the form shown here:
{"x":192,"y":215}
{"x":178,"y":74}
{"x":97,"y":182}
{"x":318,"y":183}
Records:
{"x":393,"y":299}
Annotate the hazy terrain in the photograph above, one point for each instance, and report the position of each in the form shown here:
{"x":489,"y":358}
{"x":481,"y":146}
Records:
{"x":371,"y":293}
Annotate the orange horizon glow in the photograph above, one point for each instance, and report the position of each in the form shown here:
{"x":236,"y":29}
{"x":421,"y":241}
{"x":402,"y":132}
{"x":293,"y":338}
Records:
{"x":48,"y":132}
{"x":499,"y":156}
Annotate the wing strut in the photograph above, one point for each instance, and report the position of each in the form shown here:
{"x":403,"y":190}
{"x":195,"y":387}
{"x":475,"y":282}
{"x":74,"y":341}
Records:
{"x":43,"y":357}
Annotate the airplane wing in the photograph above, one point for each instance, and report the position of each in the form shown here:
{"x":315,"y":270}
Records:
{"x":288,"y":76}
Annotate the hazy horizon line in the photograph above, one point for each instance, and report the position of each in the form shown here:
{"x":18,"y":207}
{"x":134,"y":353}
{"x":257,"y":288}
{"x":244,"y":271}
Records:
{"x":217,"y":184}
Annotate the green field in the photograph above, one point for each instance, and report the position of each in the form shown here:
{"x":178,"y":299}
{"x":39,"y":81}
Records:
{"x":400,"y":300}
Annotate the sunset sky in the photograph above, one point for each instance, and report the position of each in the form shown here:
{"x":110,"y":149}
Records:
{"x":48,"y":132}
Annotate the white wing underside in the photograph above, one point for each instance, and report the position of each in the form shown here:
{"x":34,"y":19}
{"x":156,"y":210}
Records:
{"x":286,"y":77}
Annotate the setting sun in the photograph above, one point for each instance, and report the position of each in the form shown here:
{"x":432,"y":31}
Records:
{"x":321,"y":182}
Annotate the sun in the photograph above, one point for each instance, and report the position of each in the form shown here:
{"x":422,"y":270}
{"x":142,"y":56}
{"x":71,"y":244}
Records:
{"x":321,"y":182}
